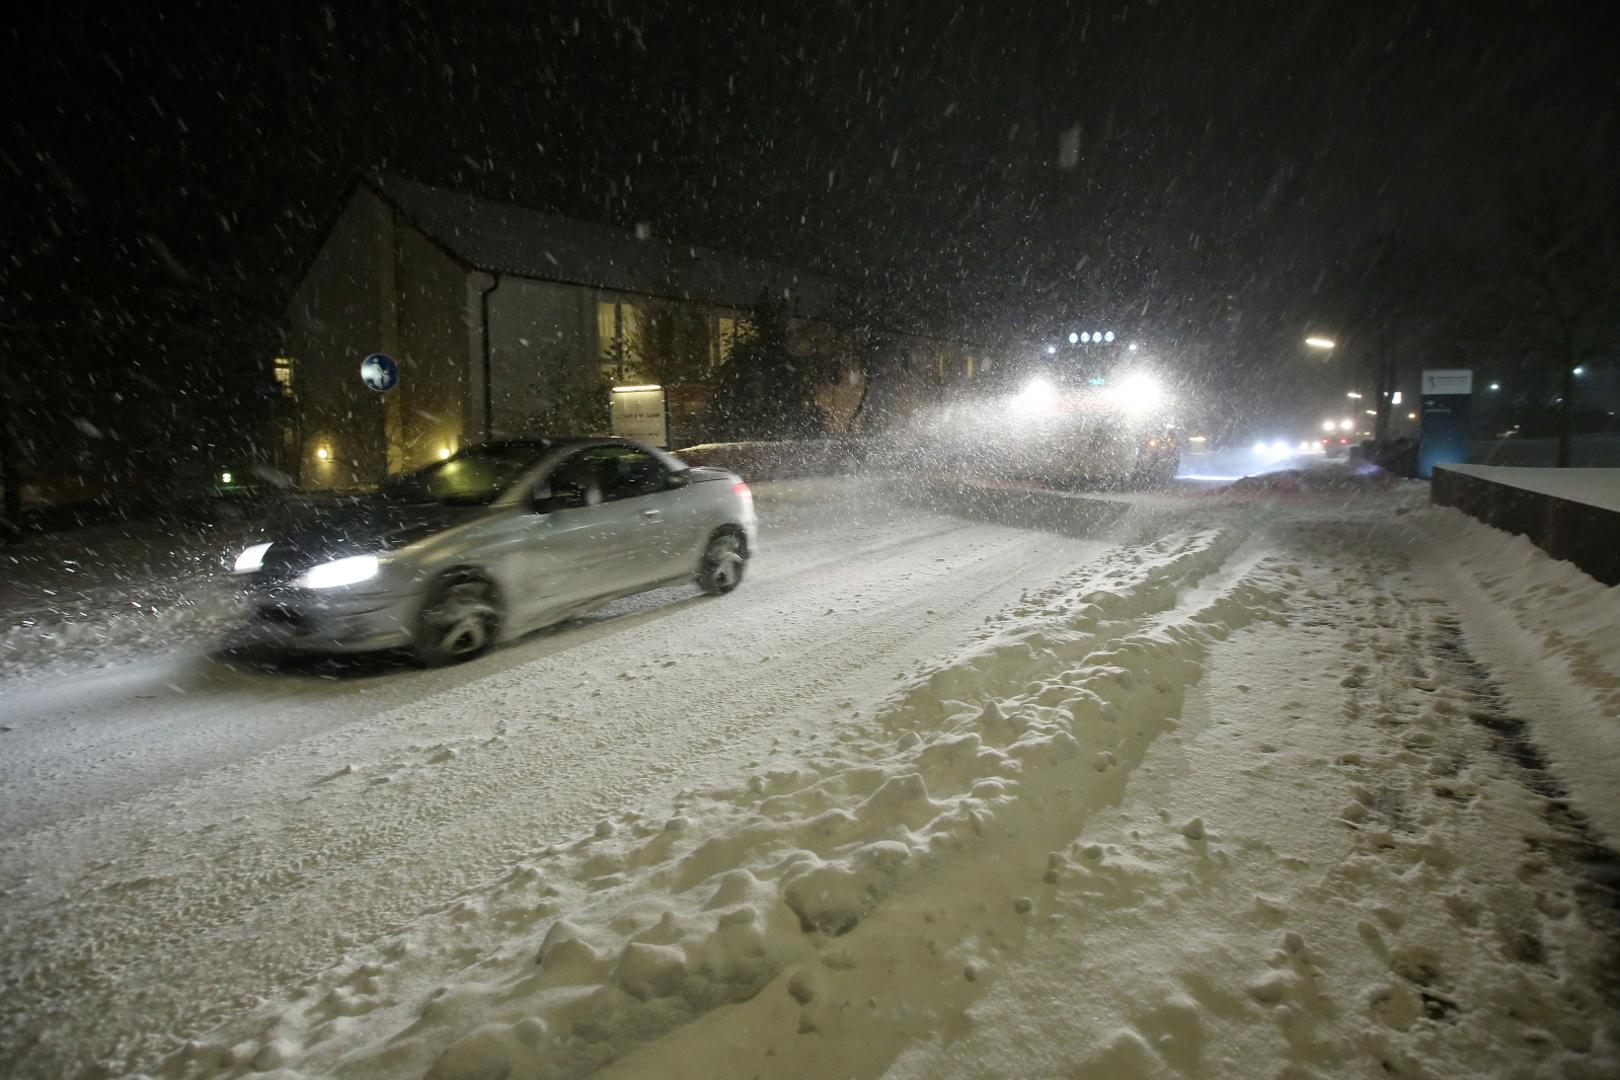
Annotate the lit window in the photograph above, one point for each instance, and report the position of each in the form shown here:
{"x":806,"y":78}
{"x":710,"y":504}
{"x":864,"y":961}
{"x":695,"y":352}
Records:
{"x":725,"y":337}
{"x":618,"y":336}
{"x":282,"y":370}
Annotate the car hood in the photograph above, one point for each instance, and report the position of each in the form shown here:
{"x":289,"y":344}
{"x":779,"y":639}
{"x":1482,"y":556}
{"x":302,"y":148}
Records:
{"x":364,"y":527}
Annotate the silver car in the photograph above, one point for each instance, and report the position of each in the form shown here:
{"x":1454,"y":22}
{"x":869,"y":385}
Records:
{"x":493,"y":542}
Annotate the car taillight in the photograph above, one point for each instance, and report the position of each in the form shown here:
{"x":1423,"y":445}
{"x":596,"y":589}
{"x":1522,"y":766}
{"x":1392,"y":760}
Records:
{"x":740,"y":489}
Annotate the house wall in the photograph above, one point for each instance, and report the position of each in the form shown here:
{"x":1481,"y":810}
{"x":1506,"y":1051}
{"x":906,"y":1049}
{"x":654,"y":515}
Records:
{"x":545,"y":364}
{"x":440,"y":388}
{"x":335,"y":319}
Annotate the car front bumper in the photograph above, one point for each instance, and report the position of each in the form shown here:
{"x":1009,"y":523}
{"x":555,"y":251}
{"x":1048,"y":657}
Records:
{"x":302,"y":620}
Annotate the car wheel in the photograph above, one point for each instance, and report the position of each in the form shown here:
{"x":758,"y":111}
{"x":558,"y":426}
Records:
{"x":459,"y":621}
{"x":723,"y":561}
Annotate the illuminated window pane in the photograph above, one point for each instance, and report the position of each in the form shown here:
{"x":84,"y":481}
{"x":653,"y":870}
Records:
{"x":282,"y":370}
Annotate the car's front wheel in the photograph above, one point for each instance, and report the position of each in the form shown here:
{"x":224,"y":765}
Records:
{"x":723,"y":561}
{"x":459,"y":621}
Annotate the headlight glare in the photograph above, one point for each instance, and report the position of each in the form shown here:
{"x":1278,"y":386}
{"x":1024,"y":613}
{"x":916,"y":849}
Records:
{"x":350,"y":571}
{"x":251,"y":560}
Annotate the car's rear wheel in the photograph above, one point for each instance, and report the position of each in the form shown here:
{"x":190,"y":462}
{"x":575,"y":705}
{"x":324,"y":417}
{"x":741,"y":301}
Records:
{"x":459,"y":621}
{"x":724,"y":559}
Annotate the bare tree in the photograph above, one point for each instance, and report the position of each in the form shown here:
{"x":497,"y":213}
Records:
{"x":1551,"y":300}
{"x":1396,"y":293}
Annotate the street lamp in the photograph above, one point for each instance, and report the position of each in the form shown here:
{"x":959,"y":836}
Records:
{"x":1354,"y":394}
{"x":1496,"y":386}
{"x":1317,"y":342}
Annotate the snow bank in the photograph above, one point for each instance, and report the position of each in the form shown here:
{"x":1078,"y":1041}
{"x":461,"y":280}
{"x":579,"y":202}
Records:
{"x":1556,"y":631}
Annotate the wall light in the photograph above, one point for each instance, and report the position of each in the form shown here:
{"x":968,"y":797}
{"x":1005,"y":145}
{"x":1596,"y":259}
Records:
{"x":444,"y":453}
{"x":323,"y":453}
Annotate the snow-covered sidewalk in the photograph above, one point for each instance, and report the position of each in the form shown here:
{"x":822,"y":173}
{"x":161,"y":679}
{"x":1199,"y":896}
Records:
{"x":1255,"y":786}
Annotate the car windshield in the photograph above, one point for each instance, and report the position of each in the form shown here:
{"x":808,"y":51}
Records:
{"x":473,"y":477}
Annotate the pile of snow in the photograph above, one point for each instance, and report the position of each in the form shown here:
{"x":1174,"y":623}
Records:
{"x":1529,"y":604}
{"x":1322,"y":480}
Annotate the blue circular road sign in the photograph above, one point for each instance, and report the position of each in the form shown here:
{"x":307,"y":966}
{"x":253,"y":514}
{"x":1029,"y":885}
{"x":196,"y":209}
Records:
{"x":379,"y":372}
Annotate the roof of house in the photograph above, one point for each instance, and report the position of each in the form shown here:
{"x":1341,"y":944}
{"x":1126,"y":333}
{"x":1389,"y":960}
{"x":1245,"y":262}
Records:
{"x":504,"y":238}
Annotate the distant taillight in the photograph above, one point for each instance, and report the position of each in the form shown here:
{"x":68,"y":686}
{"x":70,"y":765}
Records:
{"x":740,"y":489}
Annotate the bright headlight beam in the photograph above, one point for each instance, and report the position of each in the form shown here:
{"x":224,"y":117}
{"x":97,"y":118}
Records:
{"x":251,"y":560}
{"x":1037,"y":396}
{"x":1137,"y":393}
{"x":350,"y":571}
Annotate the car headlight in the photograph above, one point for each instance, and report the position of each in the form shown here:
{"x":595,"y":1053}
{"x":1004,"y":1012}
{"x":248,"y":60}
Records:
{"x":251,"y":560}
{"x":350,"y":571}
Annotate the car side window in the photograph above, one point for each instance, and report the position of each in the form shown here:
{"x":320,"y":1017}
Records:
{"x":628,"y":473}
{"x":605,"y":474}
{"x":575,"y":482}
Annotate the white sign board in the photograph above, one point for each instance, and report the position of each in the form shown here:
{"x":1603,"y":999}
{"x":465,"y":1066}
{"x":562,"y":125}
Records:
{"x":1448,"y":381}
{"x":638,"y":413}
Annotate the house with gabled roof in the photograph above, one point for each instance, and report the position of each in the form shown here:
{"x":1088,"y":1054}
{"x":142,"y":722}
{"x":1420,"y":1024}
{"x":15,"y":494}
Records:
{"x":506,"y":321}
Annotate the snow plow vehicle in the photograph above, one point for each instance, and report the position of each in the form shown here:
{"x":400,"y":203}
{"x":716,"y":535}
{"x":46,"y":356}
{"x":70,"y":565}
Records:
{"x":1075,"y":430}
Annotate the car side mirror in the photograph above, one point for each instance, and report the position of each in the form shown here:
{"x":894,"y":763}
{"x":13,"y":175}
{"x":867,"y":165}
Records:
{"x":541,"y":497}
{"x":680,"y":479}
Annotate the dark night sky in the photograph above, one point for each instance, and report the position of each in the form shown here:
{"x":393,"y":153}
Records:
{"x":172,"y":162}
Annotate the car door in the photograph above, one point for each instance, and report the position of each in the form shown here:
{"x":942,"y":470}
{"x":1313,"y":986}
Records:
{"x":653,"y":512}
{"x":595,"y":534}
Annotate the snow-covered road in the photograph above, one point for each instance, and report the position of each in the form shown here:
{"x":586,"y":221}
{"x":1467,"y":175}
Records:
{"x":1230,"y":784}
{"x":161,"y":815}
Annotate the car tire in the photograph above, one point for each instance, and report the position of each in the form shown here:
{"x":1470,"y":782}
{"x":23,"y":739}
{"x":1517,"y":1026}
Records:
{"x":725,"y":557}
{"x":460,"y":620}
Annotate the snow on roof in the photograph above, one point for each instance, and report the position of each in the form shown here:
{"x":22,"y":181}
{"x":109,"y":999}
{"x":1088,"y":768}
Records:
{"x":1593,"y":487}
{"x":504,"y":238}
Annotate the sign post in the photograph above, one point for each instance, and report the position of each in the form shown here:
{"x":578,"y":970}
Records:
{"x":1445,"y":430}
{"x":639,"y":413}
